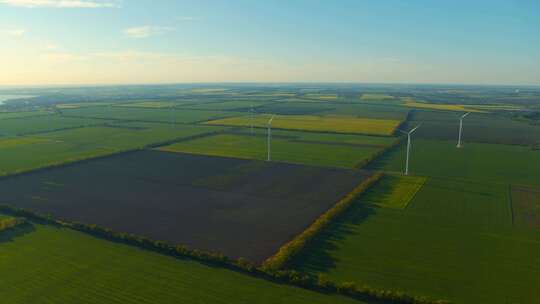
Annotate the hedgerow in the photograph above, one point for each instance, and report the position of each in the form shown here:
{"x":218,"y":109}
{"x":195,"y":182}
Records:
{"x":288,"y":251}
{"x":291,"y":277}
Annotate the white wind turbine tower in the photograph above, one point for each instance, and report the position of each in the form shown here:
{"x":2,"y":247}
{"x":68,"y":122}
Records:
{"x":461,"y":129}
{"x":408,"y":147}
{"x":269,"y":157}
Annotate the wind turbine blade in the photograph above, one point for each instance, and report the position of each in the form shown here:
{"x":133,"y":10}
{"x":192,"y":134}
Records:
{"x":465,"y":115}
{"x":403,"y":131}
{"x":271,"y":118}
{"x":412,"y":131}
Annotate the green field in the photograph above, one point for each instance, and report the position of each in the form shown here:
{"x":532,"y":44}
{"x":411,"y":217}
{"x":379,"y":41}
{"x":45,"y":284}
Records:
{"x":454,"y":241}
{"x":43,"y":123}
{"x":487,"y":162}
{"x":11,"y":115}
{"x":54,"y":148}
{"x":295,"y":108}
{"x":227,"y":105}
{"x":42,"y":264}
{"x":283,"y":150}
{"x":394,"y":191}
{"x":377,"y":111}
{"x":340,"y":124}
{"x":482,"y":128}
{"x":374,"y":96}
{"x":149,"y":104}
{"x":526,"y":206}
{"x":173,"y":115}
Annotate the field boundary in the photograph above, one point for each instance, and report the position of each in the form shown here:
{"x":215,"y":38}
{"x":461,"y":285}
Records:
{"x":288,"y":277}
{"x":75,"y":161}
{"x":379,"y":153}
{"x":290,"y":249}
{"x":425,"y":180}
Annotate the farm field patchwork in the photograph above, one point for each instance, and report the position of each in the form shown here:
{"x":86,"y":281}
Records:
{"x":174,"y":115}
{"x":340,"y":124}
{"x":21,"y":154}
{"x":374,"y":96}
{"x":149,"y":104}
{"x":285,"y":148}
{"x":44,"y":123}
{"x":228,"y":105}
{"x":444,"y":107}
{"x":455,"y":241}
{"x":322,"y":97}
{"x":53,"y":265}
{"x":377,"y":111}
{"x":475,"y":161}
{"x":12,"y":115}
{"x":478,"y":127}
{"x":237,"y":207}
{"x":294,"y":108}
{"x":82,"y":105}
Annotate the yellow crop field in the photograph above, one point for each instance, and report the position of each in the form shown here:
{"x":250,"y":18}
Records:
{"x":339,"y":124}
{"x":444,"y":107}
{"x":400,"y":191}
{"x":19,"y":141}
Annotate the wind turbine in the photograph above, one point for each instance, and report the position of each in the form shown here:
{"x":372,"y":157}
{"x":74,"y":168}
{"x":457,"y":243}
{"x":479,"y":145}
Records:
{"x":461,"y":129}
{"x":269,"y":157}
{"x":408,"y":147}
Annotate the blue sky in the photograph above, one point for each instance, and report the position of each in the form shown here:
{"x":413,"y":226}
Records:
{"x":143,"y":41}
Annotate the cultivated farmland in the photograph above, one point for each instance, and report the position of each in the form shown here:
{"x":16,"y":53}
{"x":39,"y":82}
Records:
{"x":394,"y":191}
{"x":454,"y":241}
{"x":147,"y":115}
{"x":19,"y":154}
{"x":310,"y":149}
{"x":240,"y":208}
{"x":474,"y":162}
{"x":181,"y":165}
{"x":340,"y":124}
{"x":52,"y":265}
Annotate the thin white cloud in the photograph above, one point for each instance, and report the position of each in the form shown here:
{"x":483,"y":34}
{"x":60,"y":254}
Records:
{"x":50,"y":46}
{"x":61,"y":3}
{"x":186,"y":18}
{"x":14,"y":32}
{"x":146,"y":31}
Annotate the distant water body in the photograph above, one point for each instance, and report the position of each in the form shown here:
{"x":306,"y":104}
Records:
{"x":10,"y":97}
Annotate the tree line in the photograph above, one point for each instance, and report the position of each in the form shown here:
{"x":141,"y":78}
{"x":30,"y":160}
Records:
{"x":11,"y":222}
{"x":290,"y":277}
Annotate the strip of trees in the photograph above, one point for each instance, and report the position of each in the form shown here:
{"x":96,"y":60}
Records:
{"x":290,"y":277}
{"x":10,"y":222}
{"x":287,"y":252}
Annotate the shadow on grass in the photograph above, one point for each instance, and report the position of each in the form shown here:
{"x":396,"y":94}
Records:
{"x":10,"y":234}
{"x":317,"y":256}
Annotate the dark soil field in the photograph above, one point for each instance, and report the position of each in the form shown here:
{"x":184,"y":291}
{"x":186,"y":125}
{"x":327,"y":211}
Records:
{"x":241,"y":208}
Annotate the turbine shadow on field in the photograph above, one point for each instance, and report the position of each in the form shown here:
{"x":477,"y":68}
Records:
{"x":317,"y":257}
